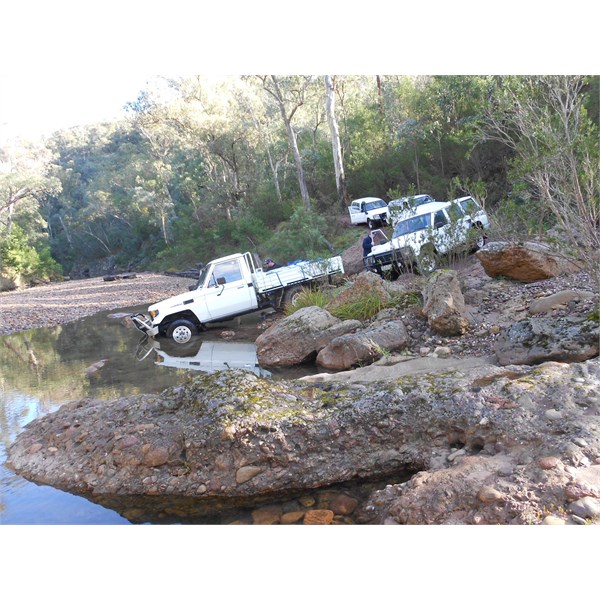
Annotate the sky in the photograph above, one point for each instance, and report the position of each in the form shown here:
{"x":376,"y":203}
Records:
{"x":67,"y":63}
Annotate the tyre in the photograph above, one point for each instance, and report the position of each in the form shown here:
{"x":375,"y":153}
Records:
{"x":427,"y":261}
{"x":369,"y":224}
{"x":290,"y":296}
{"x":181,"y":331}
{"x":480,"y":237}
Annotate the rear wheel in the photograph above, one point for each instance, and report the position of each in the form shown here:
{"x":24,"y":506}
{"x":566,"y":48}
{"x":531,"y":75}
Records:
{"x":291,"y":295}
{"x":181,"y":331}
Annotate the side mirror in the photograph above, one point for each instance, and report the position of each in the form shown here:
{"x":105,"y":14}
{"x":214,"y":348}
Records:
{"x":221,"y":281}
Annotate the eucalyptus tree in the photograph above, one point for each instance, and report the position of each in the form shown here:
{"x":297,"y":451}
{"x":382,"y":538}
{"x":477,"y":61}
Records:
{"x":543,"y":120}
{"x":25,"y":181}
{"x":149,"y":116}
{"x":336,"y":146}
{"x":289,"y":94}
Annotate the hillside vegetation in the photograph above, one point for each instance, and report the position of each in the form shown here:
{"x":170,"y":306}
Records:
{"x":204,"y":167}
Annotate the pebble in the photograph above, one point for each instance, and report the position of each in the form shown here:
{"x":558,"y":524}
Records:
{"x":267,"y":515}
{"x":442,"y":352}
{"x":552,"y":520}
{"x":553,"y":415}
{"x":307,"y":501}
{"x":586,"y":508}
{"x":489,"y":494}
{"x":292,"y":517}
{"x":318,"y":517}
{"x":578,"y":520}
{"x":455,"y":455}
{"x":548,"y":462}
{"x":580,"y":442}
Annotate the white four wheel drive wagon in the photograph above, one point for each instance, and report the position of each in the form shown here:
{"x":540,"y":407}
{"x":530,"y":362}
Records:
{"x":428,"y":232}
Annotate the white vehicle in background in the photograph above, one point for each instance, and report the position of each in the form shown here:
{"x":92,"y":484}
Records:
{"x":232,"y":286}
{"x":433,"y":230}
{"x":372,"y":211}
{"x":401,"y":207}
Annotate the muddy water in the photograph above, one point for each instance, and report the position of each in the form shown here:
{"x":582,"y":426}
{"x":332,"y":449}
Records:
{"x":100,"y":357}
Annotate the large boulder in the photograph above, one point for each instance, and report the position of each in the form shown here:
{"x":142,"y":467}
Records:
{"x":444,"y":304}
{"x":298,"y":338}
{"x":528,"y":261}
{"x":232,"y":439}
{"x":363,"y":347}
{"x":536,"y":340}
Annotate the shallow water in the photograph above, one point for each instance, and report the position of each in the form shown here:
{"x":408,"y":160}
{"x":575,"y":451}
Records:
{"x":98,"y":357}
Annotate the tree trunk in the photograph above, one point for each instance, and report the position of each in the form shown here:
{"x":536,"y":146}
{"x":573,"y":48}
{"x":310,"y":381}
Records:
{"x":297,"y":159}
{"x":340,"y":177}
{"x":287,"y":119}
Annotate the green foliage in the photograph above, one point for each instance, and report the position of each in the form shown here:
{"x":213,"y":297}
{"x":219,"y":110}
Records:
{"x":302,"y":237}
{"x":363,"y":307}
{"x":19,"y":258}
{"x":308,"y":297}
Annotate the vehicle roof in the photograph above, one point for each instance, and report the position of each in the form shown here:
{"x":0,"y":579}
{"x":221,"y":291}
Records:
{"x":427,"y":208}
{"x":415,"y":197}
{"x":367,"y":199}
{"x":228,"y":257}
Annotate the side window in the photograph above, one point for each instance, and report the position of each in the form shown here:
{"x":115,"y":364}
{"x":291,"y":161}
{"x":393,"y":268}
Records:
{"x":230,"y":271}
{"x":470,"y":206}
{"x":455,"y":213}
{"x":439,"y":219}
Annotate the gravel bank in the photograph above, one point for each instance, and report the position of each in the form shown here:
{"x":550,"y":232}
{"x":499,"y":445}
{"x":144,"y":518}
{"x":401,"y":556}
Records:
{"x":57,"y":303}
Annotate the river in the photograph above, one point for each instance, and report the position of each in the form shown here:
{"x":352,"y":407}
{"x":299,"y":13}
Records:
{"x":98,"y":357}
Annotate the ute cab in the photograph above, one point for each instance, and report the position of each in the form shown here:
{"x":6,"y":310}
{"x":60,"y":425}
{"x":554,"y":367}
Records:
{"x":224,"y":290}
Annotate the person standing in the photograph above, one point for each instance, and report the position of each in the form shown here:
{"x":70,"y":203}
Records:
{"x":367,"y":244}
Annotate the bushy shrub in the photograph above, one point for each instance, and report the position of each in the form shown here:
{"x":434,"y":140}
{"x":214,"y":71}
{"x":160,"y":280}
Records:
{"x":19,"y":258}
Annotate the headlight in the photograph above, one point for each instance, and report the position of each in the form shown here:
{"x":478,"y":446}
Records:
{"x":154,"y":314}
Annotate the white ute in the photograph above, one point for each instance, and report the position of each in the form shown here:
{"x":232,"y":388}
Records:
{"x":372,"y":211}
{"x":229,"y":287}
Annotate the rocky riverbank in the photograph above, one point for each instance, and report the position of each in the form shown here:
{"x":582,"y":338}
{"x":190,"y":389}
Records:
{"x":461,"y":435}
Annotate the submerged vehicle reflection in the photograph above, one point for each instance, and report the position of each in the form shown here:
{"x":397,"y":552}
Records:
{"x":208,"y":356}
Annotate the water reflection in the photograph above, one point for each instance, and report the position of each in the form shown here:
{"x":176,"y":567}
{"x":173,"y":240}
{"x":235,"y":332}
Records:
{"x":98,"y":357}
{"x":202,"y":355}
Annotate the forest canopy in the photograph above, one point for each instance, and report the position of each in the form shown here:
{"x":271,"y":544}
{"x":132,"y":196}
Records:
{"x":205,"y":166}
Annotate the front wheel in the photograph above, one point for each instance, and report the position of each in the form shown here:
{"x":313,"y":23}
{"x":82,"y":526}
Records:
{"x":427,"y":262}
{"x":181,"y":331}
{"x":480,"y":237}
{"x":370,"y":224}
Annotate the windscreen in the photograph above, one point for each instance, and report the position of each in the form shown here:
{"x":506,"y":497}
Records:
{"x":375,"y":204}
{"x":412,"y":225}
